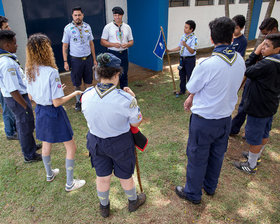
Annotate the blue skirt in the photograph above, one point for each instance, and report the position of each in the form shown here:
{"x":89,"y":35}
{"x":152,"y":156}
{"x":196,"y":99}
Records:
{"x":52,"y":124}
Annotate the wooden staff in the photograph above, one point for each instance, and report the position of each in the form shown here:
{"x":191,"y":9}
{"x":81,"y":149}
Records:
{"x":168,"y":58}
{"x":138,"y":171}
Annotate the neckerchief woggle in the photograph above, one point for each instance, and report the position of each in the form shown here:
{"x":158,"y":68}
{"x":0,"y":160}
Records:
{"x":120,"y":30}
{"x":226,"y":52}
{"x":102,"y":89}
{"x":10,"y":55}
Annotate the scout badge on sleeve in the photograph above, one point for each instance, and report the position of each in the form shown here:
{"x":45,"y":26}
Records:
{"x":140,"y":140}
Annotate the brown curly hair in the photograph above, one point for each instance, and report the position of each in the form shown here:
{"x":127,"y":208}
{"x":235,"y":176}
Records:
{"x":38,"y":52}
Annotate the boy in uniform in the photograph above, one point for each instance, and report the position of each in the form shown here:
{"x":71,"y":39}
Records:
{"x":213,"y":94}
{"x":261,"y":99}
{"x":187,"y":47}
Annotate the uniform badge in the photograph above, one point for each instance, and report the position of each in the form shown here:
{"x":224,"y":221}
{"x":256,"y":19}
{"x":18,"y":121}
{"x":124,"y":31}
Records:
{"x":58,"y":86}
{"x":133,"y":103}
{"x":75,"y":39}
{"x":12,"y":71}
{"x":139,"y":116}
{"x":57,"y":79}
{"x":72,"y":28}
{"x":73,"y":31}
{"x":86,"y":31}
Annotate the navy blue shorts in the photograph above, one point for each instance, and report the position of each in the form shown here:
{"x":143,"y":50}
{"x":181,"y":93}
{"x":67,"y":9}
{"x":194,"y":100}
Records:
{"x":81,"y":70}
{"x":52,"y":124}
{"x":257,"y":128}
{"x":115,"y":153}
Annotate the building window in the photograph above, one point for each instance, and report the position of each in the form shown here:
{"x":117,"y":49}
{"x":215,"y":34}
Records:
{"x":177,"y":3}
{"x":243,"y":1}
{"x":222,"y":2}
{"x":204,"y":2}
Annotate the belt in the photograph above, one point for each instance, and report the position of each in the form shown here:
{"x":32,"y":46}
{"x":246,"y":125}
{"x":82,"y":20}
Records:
{"x":120,"y":52}
{"x":187,"y":56}
{"x":82,"y":58}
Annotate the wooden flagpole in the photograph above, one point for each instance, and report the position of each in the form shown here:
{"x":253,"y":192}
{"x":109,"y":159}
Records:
{"x":138,"y":171}
{"x":168,"y":58}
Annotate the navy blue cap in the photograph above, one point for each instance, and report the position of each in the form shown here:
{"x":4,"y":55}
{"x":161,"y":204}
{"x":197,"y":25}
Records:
{"x":118,"y":10}
{"x":108,"y":60}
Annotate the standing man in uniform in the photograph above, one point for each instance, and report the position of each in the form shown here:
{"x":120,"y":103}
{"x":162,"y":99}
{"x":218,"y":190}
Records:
{"x":117,"y":37}
{"x":213,"y":91}
{"x":79,"y":36}
{"x":8,"y":117}
{"x":15,"y":95}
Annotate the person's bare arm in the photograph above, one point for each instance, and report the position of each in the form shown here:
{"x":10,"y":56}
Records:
{"x":59,"y":101}
{"x":92,"y":48}
{"x":19,"y":99}
{"x":106,"y":43}
{"x":65,"y":53}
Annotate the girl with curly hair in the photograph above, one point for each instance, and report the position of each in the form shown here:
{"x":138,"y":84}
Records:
{"x":52,"y":124}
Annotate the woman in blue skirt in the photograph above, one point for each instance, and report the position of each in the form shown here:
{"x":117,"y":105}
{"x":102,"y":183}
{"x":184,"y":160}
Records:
{"x":45,"y":89}
{"x":109,"y":113}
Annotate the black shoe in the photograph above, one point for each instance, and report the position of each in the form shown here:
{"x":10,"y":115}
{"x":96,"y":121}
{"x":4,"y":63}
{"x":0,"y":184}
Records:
{"x":180,"y":192}
{"x":209,"y":194}
{"x":13,"y":137}
{"x":245,"y":167}
{"x":134,"y":205}
{"x":78,"y":107}
{"x":37,"y":157}
{"x":245,"y":154}
{"x":38,"y":146}
{"x":104,"y":210}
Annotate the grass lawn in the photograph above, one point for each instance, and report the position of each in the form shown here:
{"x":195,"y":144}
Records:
{"x":26,"y":197}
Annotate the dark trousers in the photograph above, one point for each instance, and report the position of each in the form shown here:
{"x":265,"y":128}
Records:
{"x":123,"y":55}
{"x":240,"y":117}
{"x":207,"y":144}
{"x":187,"y":65}
{"x":25,"y":125}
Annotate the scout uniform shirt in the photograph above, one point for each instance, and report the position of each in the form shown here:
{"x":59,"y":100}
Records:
{"x":46,"y":87}
{"x":191,"y":41}
{"x":78,"y":37}
{"x":11,"y":75}
{"x":109,"y":113}
{"x":115,"y":34}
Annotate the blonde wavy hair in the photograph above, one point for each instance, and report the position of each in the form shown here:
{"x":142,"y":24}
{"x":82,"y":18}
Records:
{"x":38,"y":52}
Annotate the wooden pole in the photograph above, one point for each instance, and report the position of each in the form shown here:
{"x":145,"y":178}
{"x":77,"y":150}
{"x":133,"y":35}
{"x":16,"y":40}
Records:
{"x":168,"y":58}
{"x":138,"y":171}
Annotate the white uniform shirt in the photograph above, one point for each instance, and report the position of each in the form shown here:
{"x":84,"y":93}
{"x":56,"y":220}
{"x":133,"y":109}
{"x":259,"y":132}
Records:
{"x":191,"y":41}
{"x":79,"y":40}
{"x":111,"y":115}
{"x":112,"y":34}
{"x":46,"y":87}
{"x":215,"y":84}
{"x":11,"y":76}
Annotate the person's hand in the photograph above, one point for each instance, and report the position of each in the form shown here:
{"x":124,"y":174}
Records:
{"x":128,"y":90}
{"x":117,"y":45}
{"x":188,"y":103}
{"x":63,"y":86}
{"x":78,"y":92}
{"x":66,"y":66}
{"x":183,"y":43}
{"x":95,"y":63}
{"x":124,"y":45}
{"x":259,"y":48}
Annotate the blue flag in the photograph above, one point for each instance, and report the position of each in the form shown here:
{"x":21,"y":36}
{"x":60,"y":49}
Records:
{"x":160,"y":47}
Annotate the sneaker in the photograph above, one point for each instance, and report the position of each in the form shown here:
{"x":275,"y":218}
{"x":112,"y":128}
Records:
{"x":135,"y":204}
{"x":104,"y":210}
{"x":245,"y":166}
{"x":54,"y":174}
{"x":75,"y":185}
{"x":180,"y":192}
{"x":37,"y":157}
{"x":78,"y":107}
{"x":13,"y":137}
{"x":245,"y":154}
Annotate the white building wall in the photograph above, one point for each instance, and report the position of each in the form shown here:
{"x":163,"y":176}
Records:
{"x":109,"y":5}
{"x":14,"y":12}
{"x":202,"y":15}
